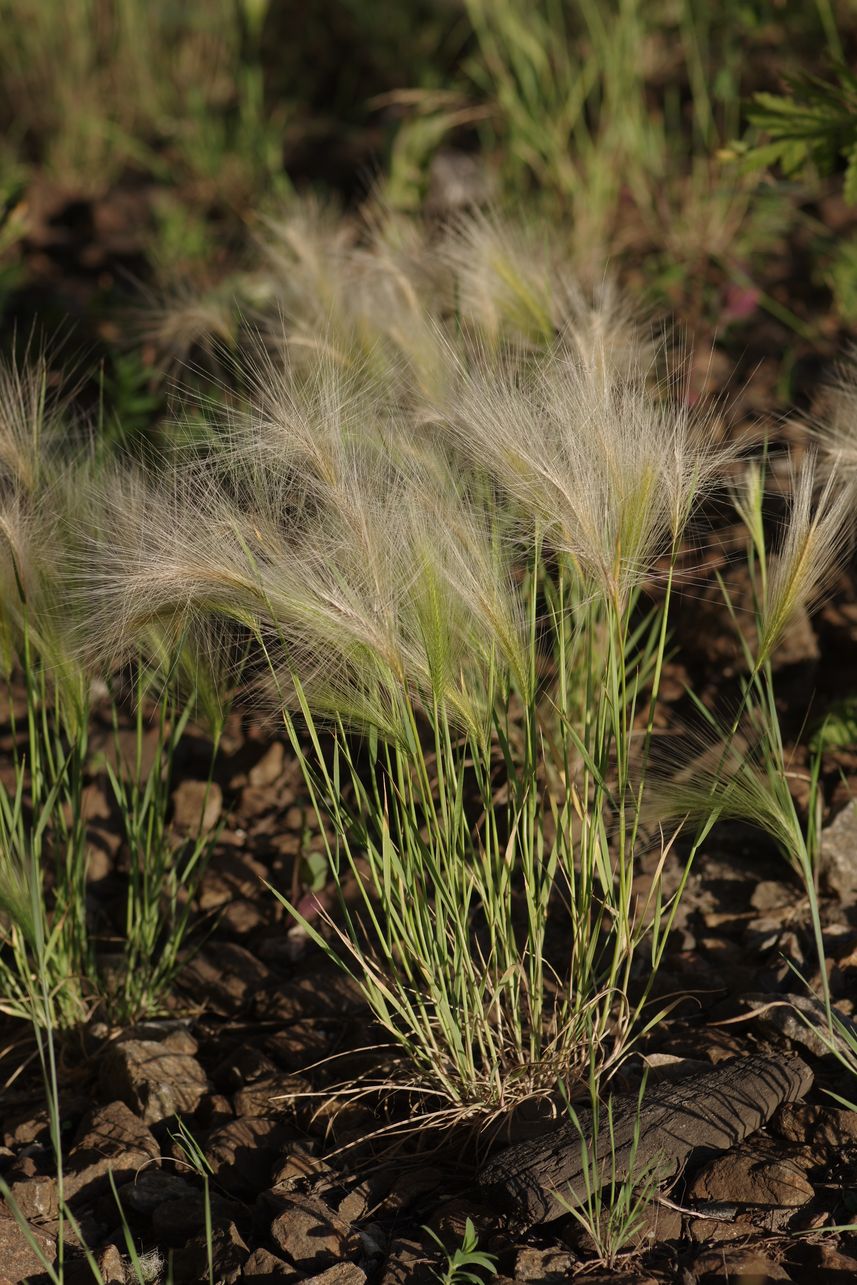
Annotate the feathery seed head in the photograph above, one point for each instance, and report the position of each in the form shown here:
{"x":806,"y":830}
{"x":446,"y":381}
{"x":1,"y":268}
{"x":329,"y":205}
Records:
{"x":815,"y":535}
{"x":608,"y":472}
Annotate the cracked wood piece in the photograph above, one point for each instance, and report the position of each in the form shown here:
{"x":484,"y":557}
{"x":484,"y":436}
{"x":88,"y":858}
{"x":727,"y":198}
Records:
{"x":700,"y":1115}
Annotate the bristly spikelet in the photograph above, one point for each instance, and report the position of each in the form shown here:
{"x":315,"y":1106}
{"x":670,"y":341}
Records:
{"x":29,"y":424}
{"x":605,"y":469}
{"x":188,"y":324}
{"x":816,"y":532}
{"x":368,"y":578}
{"x":505,"y":278}
{"x":603,"y":332}
{"x":837,"y":434}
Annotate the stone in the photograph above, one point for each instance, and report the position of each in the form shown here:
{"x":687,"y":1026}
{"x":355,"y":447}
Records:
{"x":18,"y":1260}
{"x":242,"y":1153}
{"x":271,"y":1097}
{"x":835,"y":1265}
{"x":35,"y":1198}
{"x":255,"y":801}
{"x":310,"y":1235}
{"x":228,"y":1256}
{"x":231,"y":876}
{"x":33,"y":1127}
{"x":300,"y":1165}
{"x":174,"y":1222}
{"x":449,"y":1221}
{"x":770,"y":894}
{"x":243,"y":1065}
{"x":225,"y":980}
{"x":151,"y":1188}
{"x":327,"y":992}
{"x":408,"y":1263}
{"x":838,"y":856}
{"x":412,"y":1183}
{"x":111,"y":1265}
{"x":728,"y":1263}
{"x":240,"y":918}
{"x":263,"y":1267}
{"x":174,"y":1035}
{"x":269,"y":767}
{"x":801,"y":1019}
{"x":197,"y":806}
{"x":547,"y":1265}
{"x":152,"y":1080}
{"x":754,"y":1173}
{"x":300,"y":1045}
{"x":827,"y":1131}
{"x":340,"y":1274}
{"x":110,"y":1139}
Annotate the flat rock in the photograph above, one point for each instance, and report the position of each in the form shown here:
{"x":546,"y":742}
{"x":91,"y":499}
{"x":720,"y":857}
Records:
{"x":263,"y":1268}
{"x":547,"y":1265}
{"x":269,"y":768}
{"x":152,"y":1188}
{"x":197,"y":806}
{"x":340,"y":1274}
{"x":174,"y":1035}
{"x":535,"y":1181}
{"x":736,"y":1263}
{"x":242,"y":1154}
{"x":300,"y":1166}
{"x":834,"y":1265}
{"x":18,"y":1260}
{"x":273,"y":1096}
{"x":310,"y":1235}
{"x":174,"y":1222}
{"x":228,"y":1255}
{"x":241,"y":1066}
{"x":838,"y":856}
{"x":110,"y":1139}
{"x":35,"y":1198}
{"x":152,"y":1080}
{"x":827,"y":1131}
{"x":300,"y":1044}
{"x":226,"y":980}
{"x":756,"y":1173}
{"x":326,"y":993}
{"x":408,"y":1263}
{"x":449,"y":1221}
{"x":231,"y":875}
{"x":800,"y":1019}
{"x":112,"y":1265}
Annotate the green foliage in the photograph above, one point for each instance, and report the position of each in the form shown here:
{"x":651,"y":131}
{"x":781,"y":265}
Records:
{"x":838,"y":728}
{"x":466,"y":1265}
{"x":814,"y":126}
{"x":164,"y":872}
{"x":176,"y":91}
{"x":613,"y":1205}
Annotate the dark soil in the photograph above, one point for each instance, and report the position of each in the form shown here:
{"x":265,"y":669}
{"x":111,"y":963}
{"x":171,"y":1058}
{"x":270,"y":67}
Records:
{"x":261,"y":1029}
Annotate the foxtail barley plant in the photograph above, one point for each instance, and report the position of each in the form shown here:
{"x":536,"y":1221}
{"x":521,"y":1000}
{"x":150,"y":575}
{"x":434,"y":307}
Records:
{"x":50,"y":948}
{"x":745,"y":774}
{"x":447,"y":590}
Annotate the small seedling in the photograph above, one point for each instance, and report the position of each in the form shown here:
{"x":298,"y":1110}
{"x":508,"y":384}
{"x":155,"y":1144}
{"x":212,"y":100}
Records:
{"x":618,"y":1191}
{"x":463,"y":1262}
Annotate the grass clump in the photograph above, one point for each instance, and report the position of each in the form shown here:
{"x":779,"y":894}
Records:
{"x":448,"y":594}
{"x":614,"y":1204}
{"x":54,"y":967}
{"x":94,"y":90}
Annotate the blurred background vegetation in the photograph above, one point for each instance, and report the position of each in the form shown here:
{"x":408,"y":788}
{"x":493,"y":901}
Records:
{"x":706,"y":152}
